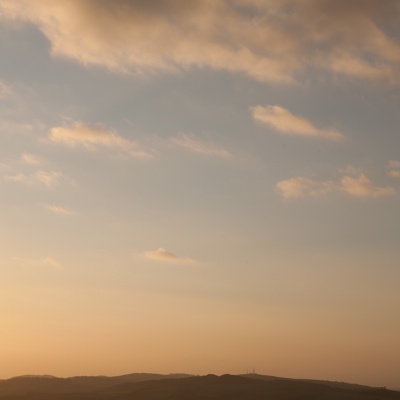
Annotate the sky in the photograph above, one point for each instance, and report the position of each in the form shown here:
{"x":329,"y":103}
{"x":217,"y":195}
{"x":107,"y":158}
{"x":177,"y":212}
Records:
{"x":200,"y":186}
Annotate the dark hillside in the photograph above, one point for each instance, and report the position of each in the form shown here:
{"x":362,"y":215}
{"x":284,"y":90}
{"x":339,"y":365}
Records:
{"x":209,"y":387}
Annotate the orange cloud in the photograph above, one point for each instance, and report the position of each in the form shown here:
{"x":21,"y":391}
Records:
{"x":192,"y":144}
{"x":5,"y":91}
{"x":94,"y":136}
{"x":361,"y":186}
{"x":284,"y":121}
{"x":30,"y":159}
{"x":303,"y":187}
{"x":271,"y":41}
{"x":48,"y":178}
{"x":394,"y":169}
{"x":164,"y":255}
{"x":46,"y":262}
{"x":60,"y":210}
{"x":358,"y":186}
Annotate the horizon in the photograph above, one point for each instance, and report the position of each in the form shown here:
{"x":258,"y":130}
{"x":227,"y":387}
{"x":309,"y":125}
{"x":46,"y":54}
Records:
{"x":189,"y":375}
{"x":200,"y":185}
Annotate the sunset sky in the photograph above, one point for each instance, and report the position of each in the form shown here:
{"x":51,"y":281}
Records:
{"x":200,"y":186}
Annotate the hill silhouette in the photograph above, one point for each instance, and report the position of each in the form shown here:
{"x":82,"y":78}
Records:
{"x":185,"y":387}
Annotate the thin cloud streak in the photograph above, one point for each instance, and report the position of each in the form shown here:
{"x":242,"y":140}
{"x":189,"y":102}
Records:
{"x":359,"y":186}
{"x":189,"y":142}
{"x":92,"y":137}
{"x":5,"y":91}
{"x":18,"y":177}
{"x":48,"y":178}
{"x":45,"y":262}
{"x":59,"y":210}
{"x":300,"y":187}
{"x":394,"y":169}
{"x":30,"y":159}
{"x":164,"y":255}
{"x":284,"y":121}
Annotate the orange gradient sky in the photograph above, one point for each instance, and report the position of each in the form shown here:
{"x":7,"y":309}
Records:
{"x":200,"y":186}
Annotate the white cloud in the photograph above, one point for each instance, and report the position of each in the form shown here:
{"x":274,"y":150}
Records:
{"x":192,"y":144}
{"x":94,"y":136}
{"x":164,"y":255}
{"x":284,"y":121}
{"x":269,"y":40}
{"x":357,"y":186}
{"x":60,"y":210}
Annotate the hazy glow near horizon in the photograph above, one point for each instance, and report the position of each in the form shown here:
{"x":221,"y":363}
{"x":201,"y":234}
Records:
{"x":200,"y":186}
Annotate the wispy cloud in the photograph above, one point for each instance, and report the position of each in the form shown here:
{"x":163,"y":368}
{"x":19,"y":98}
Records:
{"x":299,"y":187}
{"x":5,"y":91}
{"x":48,"y":178}
{"x":394,"y":169}
{"x":284,"y":121}
{"x":273,"y":41}
{"x":30,"y":159}
{"x":355,"y":186}
{"x":18,"y":177}
{"x":59,"y":210}
{"x":361,"y":186}
{"x":189,"y":142}
{"x":45,"y":262}
{"x":164,"y":255}
{"x":28,"y":169}
{"x":92,"y":137}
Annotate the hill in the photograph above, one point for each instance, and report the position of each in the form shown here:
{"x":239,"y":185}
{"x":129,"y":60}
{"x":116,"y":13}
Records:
{"x":174,"y":387}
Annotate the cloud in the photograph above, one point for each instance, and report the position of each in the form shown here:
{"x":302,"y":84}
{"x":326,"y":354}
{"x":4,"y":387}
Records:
{"x":358,"y":186}
{"x":394,"y":169}
{"x":394,"y":174}
{"x":48,"y":178}
{"x":284,"y":121}
{"x":94,"y":136}
{"x":32,"y":174}
{"x":30,"y":159}
{"x":269,"y":40}
{"x":46,"y":262}
{"x":18,"y":177}
{"x":190,"y":143}
{"x":295,"y":188}
{"x":60,"y":210}
{"x":361,"y":186}
{"x":5,"y":91}
{"x":163,"y":255}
